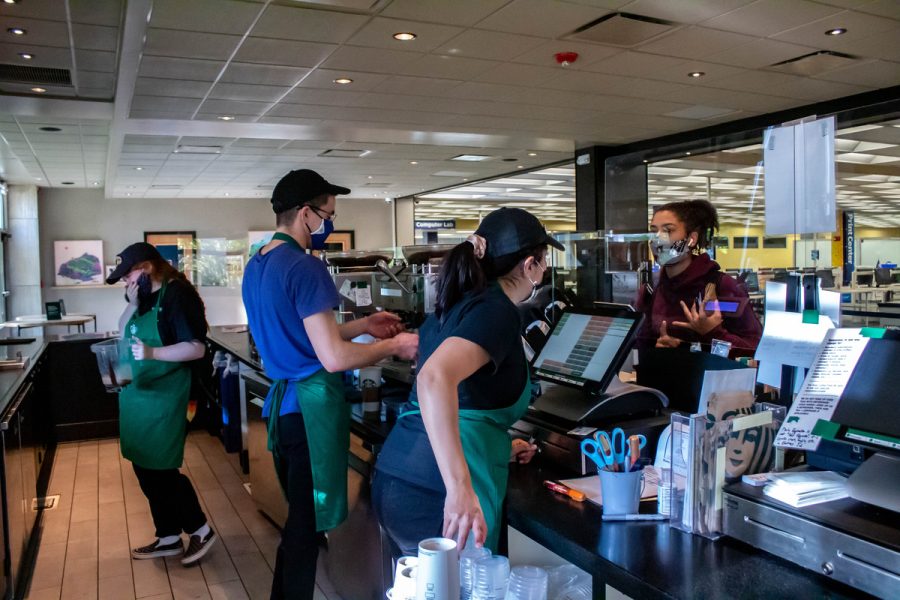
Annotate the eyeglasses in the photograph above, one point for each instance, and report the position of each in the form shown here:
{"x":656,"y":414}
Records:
{"x":330,"y":216}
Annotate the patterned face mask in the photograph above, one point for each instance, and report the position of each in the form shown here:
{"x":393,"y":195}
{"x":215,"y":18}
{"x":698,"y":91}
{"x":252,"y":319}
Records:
{"x":667,"y":252}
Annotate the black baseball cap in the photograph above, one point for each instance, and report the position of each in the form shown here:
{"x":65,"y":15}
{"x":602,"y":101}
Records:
{"x":131,"y":256}
{"x":299,"y":187}
{"x":510,"y":230}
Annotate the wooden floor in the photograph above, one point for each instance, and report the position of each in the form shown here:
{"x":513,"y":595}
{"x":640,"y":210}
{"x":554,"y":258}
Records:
{"x":86,"y":541}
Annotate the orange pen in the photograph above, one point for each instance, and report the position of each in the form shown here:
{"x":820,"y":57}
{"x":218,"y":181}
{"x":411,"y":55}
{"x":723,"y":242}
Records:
{"x":634,"y":445}
{"x":567,"y":491}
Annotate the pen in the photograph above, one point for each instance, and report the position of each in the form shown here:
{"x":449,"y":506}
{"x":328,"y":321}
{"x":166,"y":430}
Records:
{"x":565,"y":490}
{"x":635,"y":517}
{"x":634,"y":445}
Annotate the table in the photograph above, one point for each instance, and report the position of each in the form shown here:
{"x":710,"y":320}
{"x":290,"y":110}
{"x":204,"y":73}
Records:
{"x":73,"y":320}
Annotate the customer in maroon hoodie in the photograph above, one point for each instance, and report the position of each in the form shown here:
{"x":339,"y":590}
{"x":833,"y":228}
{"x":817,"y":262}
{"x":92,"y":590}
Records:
{"x":688,"y":279}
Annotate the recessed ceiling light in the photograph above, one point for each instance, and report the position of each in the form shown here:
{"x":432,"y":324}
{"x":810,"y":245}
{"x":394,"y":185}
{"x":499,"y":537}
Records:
{"x":696,"y":74}
{"x":26,"y":55}
{"x":38,"y":179}
{"x":413,"y":162}
{"x":17,"y":31}
{"x":519,"y":167}
{"x":96,"y":183}
{"x":128,"y":194}
{"x":405,"y":36}
{"x":471,"y":157}
{"x":226,"y":118}
{"x":343,"y":81}
{"x":532,"y":154}
{"x":38,"y":90}
{"x":687,"y":153}
{"x":139,"y":168}
{"x":227,"y":194}
{"x":370,"y":177}
{"x":10,"y":1}
{"x":836,"y":31}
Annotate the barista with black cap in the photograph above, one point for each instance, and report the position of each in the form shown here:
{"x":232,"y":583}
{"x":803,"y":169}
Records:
{"x":289,"y":297}
{"x":165,"y":321}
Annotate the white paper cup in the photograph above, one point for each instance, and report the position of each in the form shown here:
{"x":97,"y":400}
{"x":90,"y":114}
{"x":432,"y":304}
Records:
{"x":405,"y":584}
{"x":402,"y":563}
{"x":438,"y":570}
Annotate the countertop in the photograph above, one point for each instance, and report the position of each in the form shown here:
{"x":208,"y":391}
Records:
{"x":642,"y":559}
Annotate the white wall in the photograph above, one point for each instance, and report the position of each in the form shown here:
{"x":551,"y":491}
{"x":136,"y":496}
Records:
{"x":80,"y":214}
{"x":23,"y":277}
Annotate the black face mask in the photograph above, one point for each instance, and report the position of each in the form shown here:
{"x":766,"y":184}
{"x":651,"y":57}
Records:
{"x":145,"y":288}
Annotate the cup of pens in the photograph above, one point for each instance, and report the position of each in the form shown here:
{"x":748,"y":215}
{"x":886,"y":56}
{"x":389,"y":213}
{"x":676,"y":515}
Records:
{"x":621,"y":490}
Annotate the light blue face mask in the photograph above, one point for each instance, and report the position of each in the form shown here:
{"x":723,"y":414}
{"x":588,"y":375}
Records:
{"x":667,"y":252}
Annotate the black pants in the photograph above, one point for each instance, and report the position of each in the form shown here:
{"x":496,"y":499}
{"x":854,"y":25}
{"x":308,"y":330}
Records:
{"x":407,"y":513}
{"x":295,"y":563}
{"x":173,"y":501}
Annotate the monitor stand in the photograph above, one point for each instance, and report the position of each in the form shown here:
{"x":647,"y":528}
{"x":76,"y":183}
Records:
{"x":582,"y":408}
{"x":877,"y":481}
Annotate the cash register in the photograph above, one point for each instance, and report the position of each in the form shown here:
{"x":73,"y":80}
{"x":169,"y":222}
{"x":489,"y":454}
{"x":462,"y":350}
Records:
{"x":855,"y":540}
{"x":580,"y":389}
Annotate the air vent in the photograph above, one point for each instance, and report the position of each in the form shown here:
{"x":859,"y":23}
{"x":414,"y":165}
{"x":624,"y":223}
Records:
{"x":814,"y":63}
{"x":335,"y":153}
{"x":622,"y":29}
{"x":166,"y":187}
{"x":188,"y":149}
{"x":373,"y":184}
{"x":25,"y":74}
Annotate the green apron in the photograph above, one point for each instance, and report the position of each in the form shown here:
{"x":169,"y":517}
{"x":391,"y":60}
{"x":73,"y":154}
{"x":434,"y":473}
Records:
{"x":153,"y":407}
{"x":326,"y":419}
{"x":486,"y":446}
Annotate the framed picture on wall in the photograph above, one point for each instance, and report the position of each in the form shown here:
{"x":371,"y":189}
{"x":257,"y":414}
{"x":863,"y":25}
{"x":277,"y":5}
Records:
{"x":176,"y":247}
{"x":78,"y":262}
{"x":750,"y":241}
{"x":775,"y":242}
{"x":720,"y":241}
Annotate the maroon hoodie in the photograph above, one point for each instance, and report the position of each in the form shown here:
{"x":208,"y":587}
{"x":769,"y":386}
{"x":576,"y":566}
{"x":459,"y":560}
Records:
{"x":743,"y":331}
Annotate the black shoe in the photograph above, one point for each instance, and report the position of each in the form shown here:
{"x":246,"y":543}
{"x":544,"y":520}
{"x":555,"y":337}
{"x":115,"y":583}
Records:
{"x":155,"y":550}
{"x":198,"y":547}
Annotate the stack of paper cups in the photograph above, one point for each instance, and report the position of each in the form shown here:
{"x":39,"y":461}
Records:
{"x":404,"y":583}
{"x":438,"y":570}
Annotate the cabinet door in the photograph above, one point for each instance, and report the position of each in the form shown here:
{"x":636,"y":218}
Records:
{"x":13,"y":494}
{"x":29,"y":463}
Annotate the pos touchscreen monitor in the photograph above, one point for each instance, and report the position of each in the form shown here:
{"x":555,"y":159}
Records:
{"x":587,"y":346}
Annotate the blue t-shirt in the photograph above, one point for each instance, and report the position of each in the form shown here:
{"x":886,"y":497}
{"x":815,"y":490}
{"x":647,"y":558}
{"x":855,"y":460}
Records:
{"x":492,"y":321}
{"x":280,"y":289}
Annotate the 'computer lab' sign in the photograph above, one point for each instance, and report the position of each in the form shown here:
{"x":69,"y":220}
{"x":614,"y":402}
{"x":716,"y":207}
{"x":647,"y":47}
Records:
{"x":436,"y":224}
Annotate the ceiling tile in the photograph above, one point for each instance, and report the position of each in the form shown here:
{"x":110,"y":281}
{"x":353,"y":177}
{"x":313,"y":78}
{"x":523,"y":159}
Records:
{"x":91,"y":12}
{"x":768,"y":17}
{"x":36,"y":9}
{"x":159,"y":103}
{"x":759,"y":53}
{"x":884,"y":8}
{"x":169,"y":42}
{"x":95,"y":37}
{"x":180,"y":68}
{"x":44,"y":56}
{"x":458,"y":12}
{"x":324,"y":79}
{"x":425,"y":86}
{"x":244,"y":91}
{"x":207,"y":16}
{"x":91,"y":79}
{"x":491,"y":45}
{"x":282,"y":52}
{"x":93,"y":60}
{"x":304,"y":24}
{"x":695,"y":42}
{"x":448,"y":67}
{"x":542,"y":18}
{"x":262,"y":74}
{"x":379,"y":32}
{"x":373,"y":60}
{"x":683,"y":11}
{"x":877,"y":45}
{"x":40,"y":32}
{"x":871,"y":73}
{"x":234,"y":107}
{"x":517,"y":74}
{"x":789,"y":86}
{"x":858,"y":25}
{"x":175,"y":88}
{"x":634,"y":64}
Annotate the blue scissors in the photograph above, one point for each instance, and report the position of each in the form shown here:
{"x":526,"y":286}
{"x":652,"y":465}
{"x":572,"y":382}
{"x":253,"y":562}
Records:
{"x":609,"y":451}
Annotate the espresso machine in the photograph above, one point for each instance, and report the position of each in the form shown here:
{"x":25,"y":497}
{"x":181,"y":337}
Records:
{"x":366,"y":282}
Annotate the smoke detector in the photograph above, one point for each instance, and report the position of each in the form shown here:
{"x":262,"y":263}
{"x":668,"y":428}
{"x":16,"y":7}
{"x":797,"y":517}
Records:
{"x":564,"y":59}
